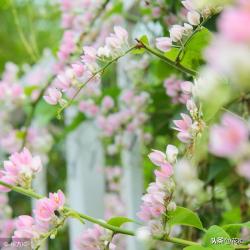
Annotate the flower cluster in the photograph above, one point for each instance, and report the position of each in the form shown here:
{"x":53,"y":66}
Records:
{"x":88,"y":69}
{"x":180,"y":91}
{"x":128,"y":119}
{"x":95,"y":238}
{"x":46,"y":217}
{"x":188,"y":128}
{"x":20,"y":169}
{"x":230,"y":140}
{"x":228,"y":55}
{"x":196,"y":14}
{"x":158,"y":199}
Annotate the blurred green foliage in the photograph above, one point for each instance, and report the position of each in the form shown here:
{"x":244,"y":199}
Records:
{"x":38,"y":21}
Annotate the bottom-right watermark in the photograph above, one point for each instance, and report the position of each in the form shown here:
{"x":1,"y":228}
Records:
{"x":227,"y":241}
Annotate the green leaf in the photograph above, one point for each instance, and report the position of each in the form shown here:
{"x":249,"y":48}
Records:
{"x":117,"y":9}
{"x":197,"y":248}
{"x":234,"y":229}
{"x":193,"y":54}
{"x":186,"y":217}
{"x":143,"y":39}
{"x":29,"y":89}
{"x":218,"y":234}
{"x":119,"y":221}
{"x":45,"y":112}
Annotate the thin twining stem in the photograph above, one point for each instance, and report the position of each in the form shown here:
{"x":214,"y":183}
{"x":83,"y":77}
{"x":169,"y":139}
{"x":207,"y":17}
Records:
{"x":172,"y":63}
{"x":189,"y":38}
{"x":95,"y":74}
{"x":117,"y":230}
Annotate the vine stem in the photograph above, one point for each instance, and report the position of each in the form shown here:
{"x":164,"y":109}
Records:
{"x":189,"y":38}
{"x":172,"y":63}
{"x":96,"y":73}
{"x":116,"y":230}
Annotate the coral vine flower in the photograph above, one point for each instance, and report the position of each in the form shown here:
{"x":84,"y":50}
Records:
{"x":233,"y":22}
{"x":53,"y":96}
{"x":44,"y":217}
{"x":228,"y":138}
{"x":184,"y":127}
{"x":20,"y":169}
{"x":94,"y":238}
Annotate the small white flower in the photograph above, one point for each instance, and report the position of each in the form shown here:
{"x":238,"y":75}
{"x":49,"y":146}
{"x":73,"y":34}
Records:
{"x":176,"y":32}
{"x":194,"y":18}
{"x":103,"y":52}
{"x":171,"y":153}
{"x":171,"y":206}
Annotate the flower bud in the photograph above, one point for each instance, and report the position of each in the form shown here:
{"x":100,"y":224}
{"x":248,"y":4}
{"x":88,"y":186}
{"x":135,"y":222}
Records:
{"x":163,"y":43}
{"x":191,"y":106}
{"x":193,"y":18}
{"x":171,"y":153}
{"x":103,"y":52}
{"x":176,"y":33}
{"x":188,"y":4}
{"x":188,"y":29}
{"x":171,"y":206}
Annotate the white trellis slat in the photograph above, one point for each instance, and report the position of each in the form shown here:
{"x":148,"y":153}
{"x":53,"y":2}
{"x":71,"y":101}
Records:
{"x":132,"y":181}
{"x":85,"y":161}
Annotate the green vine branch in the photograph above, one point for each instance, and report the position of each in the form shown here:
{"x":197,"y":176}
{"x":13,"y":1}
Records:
{"x":95,"y":74}
{"x":116,"y":230}
{"x":172,"y":63}
{"x":188,"y":40}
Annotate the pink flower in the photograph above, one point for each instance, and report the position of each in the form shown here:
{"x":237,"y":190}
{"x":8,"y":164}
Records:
{"x":44,"y":211}
{"x":179,"y":91}
{"x":157,"y":157}
{"x":163,"y":43}
{"x":89,"y":56}
{"x":164,"y":173}
{"x":187,"y":87}
{"x":20,"y":168}
{"x":53,"y":96}
{"x":121,"y":33}
{"x":244,"y":170}
{"x":24,"y":221}
{"x":184,"y":127}
{"x":25,"y":227}
{"x":228,"y":138}
{"x":233,"y":22}
{"x":188,"y":4}
{"x":58,"y":199}
{"x":89,"y":108}
{"x":145,"y":213}
{"x":93,"y":239}
{"x":107,"y":103}
{"x":11,"y":180}
{"x":127,"y":96}
{"x":23,"y":161}
{"x":8,"y":227}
